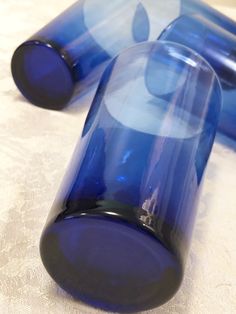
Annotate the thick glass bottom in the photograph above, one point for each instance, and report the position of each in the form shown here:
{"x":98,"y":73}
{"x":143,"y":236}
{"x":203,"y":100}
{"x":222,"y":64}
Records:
{"x":42,"y":74}
{"x":110,"y":263}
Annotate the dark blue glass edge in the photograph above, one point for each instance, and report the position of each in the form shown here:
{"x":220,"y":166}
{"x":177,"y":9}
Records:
{"x":68,"y":63}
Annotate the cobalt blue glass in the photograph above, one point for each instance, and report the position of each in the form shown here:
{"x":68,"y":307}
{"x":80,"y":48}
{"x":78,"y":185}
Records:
{"x":119,"y":231}
{"x":218,"y":47}
{"x":69,"y":54}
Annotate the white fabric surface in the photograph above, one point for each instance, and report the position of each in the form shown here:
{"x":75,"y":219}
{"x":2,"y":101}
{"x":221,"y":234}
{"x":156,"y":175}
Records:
{"x":35,"y":147}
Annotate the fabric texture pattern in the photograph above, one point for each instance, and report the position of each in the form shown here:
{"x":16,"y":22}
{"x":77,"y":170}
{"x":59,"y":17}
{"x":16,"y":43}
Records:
{"x":35,"y":148}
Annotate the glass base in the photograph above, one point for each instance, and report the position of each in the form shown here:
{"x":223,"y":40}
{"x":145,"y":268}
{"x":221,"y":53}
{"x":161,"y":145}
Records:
{"x":43,"y":74}
{"x":110,"y":263}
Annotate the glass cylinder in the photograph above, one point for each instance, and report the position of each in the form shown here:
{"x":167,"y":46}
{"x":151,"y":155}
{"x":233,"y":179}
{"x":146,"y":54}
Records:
{"x":65,"y":58}
{"x":119,"y":231}
{"x":218,"y":47}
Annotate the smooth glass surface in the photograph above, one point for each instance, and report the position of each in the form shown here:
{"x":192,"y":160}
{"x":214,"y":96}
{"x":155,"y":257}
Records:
{"x":218,"y":47}
{"x":119,"y":231}
{"x":200,"y":7}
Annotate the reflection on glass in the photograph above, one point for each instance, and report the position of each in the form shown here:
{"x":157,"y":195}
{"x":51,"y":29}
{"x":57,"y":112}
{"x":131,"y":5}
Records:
{"x":218,"y":47}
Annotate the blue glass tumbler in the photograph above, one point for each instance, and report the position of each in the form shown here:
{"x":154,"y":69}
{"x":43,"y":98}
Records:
{"x":120,"y":228}
{"x":65,"y":58}
{"x":218,"y":47}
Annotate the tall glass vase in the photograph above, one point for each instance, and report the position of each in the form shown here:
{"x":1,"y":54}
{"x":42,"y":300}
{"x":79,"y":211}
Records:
{"x":119,"y":231}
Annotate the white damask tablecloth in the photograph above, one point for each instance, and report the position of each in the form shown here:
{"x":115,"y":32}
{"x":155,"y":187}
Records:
{"x":35,"y":147}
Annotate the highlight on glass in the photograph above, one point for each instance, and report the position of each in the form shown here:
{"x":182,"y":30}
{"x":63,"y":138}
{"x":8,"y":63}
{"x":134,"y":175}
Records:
{"x":218,"y":47}
{"x":118,"y":234}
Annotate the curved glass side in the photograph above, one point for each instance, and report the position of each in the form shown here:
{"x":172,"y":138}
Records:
{"x":200,"y":7}
{"x":127,"y":206}
{"x":218,"y":47}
